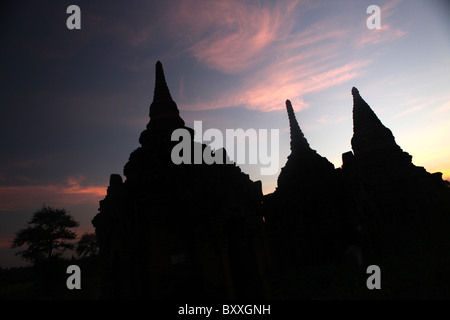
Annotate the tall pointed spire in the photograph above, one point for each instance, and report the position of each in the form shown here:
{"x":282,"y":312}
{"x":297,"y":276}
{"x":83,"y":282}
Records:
{"x":162,"y":93}
{"x":363,"y":115}
{"x":298,"y":140}
{"x":163,"y":110}
{"x":164,"y":114}
{"x":369,"y":134}
{"x":304,"y":165}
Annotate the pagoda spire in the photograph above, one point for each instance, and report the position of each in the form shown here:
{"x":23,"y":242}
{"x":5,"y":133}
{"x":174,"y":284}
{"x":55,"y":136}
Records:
{"x":363,"y":115}
{"x":161,"y":93}
{"x":298,"y":140}
{"x":164,"y":112}
{"x":304,"y":165}
{"x":369,"y":134}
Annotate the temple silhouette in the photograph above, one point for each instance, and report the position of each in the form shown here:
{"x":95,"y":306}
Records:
{"x":206,"y":231}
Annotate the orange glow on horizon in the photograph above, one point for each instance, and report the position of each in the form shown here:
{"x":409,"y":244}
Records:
{"x":13,"y":198}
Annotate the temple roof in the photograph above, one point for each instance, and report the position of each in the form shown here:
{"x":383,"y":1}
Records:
{"x":298,"y":140}
{"x":304,"y":165}
{"x":363,"y":115}
{"x":164,"y":112}
{"x":369,"y":134}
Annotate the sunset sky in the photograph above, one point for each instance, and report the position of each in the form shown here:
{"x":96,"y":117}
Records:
{"x":74,"y":102}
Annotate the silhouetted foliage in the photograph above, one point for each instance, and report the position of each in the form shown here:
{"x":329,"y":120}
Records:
{"x":87,"y":245}
{"x":46,"y":235}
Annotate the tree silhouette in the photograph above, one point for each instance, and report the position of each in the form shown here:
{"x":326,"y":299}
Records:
{"x":46,"y":235}
{"x":87,"y":245}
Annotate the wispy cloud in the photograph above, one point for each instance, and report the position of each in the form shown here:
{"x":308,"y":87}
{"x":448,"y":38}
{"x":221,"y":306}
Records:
{"x":230,"y":35}
{"x":233,"y":36}
{"x":31,"y":196}
{"x":388,"y":9}
{"x":269,"y":89}
{"x":386,"y":33}
{"x":315,"y":33}
{"x":328,"y":120}
{"x":376,"y":36}
{"x":418,"y":104}
{"x":442,"y":108}
{"x":277,"y":85}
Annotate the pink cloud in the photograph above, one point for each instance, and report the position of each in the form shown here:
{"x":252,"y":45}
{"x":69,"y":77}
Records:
{"x":33,"y":196}
{"x":421,"y":103}
{"x":386,"y":33}
{"x":377,"y":36}
{"x":269,"y":89}
{"x":389,"y":8}
{"x":317,"y":32}
{"x":293,"y":84}
{"x":230,"y":36}
{"x":328,"y":120}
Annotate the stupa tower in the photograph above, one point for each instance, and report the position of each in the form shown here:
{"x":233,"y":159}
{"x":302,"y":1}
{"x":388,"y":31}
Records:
{"x":304,"y":165}
{"x":179,"y":230}
{"x":390,"y":191}
{"x":164,"y":113}
{"x":370,"y":136}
